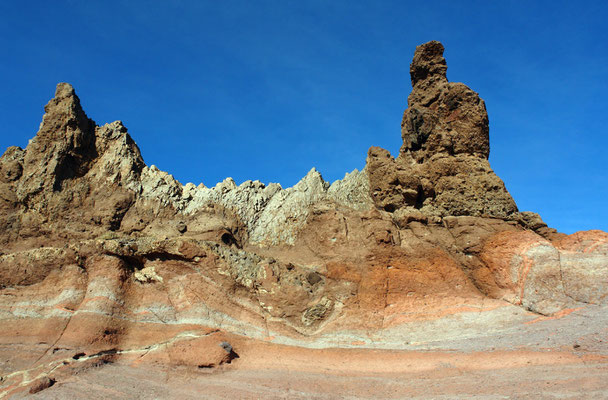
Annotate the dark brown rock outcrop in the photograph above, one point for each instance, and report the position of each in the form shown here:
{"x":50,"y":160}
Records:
{"x":443,"y":166}
{"x":78,"y":180}
{"x":63,"y":148}
{"x":442,"y":117}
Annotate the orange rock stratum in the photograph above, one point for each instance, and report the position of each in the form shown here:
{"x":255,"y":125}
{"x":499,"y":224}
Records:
{"x":416,"y":277}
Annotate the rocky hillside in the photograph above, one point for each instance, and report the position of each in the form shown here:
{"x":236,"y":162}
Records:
{"x":105,"y":259}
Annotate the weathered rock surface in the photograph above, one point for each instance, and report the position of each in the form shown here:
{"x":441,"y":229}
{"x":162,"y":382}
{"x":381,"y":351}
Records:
{"x":443,"y":166}
{"x":104,"y":259}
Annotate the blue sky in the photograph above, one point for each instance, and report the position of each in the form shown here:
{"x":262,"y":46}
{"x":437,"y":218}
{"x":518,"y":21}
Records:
{"x":268,"y":89}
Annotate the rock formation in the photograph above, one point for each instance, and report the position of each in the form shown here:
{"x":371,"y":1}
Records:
{"x":443,"y":166}
{"x":106,"y":259}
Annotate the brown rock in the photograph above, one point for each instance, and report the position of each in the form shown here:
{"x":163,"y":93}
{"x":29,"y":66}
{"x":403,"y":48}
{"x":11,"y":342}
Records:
{"x":442,"y":117}
{"x":11,"y":164}
{"x":443,"y":166}
{"x":40,"y":384}
{"x":209,"y":351}
{"x":63,"y":147}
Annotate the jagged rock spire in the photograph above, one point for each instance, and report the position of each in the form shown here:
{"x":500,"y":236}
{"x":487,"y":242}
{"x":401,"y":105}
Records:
{"x":428,"y":63}
{"x":442,"y":117}
{"x":443,"y":166}
{"x":64,"y":118}
{"x":63,"y":146}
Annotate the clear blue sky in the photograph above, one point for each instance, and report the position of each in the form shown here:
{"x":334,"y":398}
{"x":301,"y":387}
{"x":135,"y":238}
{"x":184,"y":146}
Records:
{"x":268,"y":89}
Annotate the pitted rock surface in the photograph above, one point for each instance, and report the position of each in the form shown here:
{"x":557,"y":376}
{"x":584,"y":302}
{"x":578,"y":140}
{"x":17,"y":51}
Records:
{"x":443,"y":166}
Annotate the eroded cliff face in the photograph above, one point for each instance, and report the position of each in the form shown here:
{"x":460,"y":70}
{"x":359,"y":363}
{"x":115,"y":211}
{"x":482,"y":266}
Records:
{"x":105,"y":257}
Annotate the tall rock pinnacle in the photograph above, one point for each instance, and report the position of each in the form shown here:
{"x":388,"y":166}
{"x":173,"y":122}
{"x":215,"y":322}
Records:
{"x":442,"y":117}
{"x":64,"y":118}
{"x":72,"y":165}
{"x":443,"y":167}
{"x":62,"y":147}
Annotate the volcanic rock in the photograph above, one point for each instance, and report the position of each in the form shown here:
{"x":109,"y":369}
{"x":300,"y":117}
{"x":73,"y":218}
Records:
{"x":107,"y":262}
{"x":443,"y":166}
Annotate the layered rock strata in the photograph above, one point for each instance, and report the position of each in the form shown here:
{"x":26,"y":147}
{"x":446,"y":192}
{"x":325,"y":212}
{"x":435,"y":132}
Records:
{"x":105,"y":258}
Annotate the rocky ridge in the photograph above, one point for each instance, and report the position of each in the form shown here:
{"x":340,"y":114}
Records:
{"x":105,"y":258}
